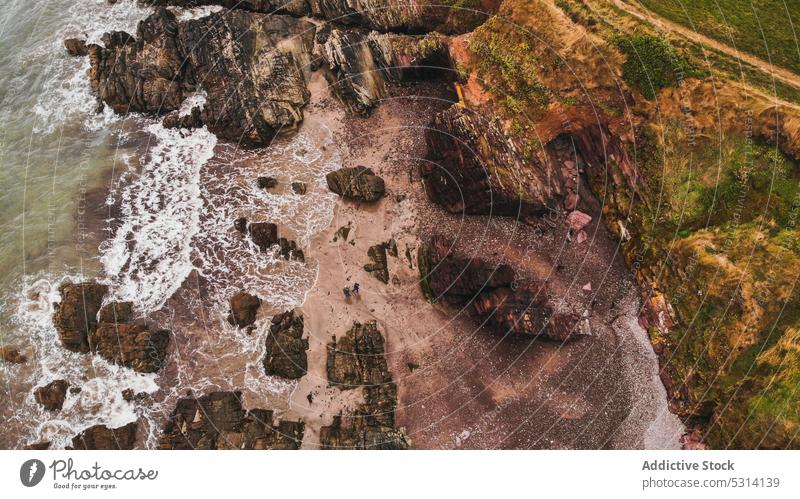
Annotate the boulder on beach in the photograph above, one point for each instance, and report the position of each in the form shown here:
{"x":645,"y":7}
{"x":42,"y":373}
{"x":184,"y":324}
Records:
{"x":244,"y":308}
{"x":218,"y":421}
{"x":359,"y":184}
{"x":299,"y":187}
{"x":136,"y":346}
{"x":75,"y":47}
{"x":266,"y":182}
{"x":101,"y":437}
{"x":286,"y":348}
{"x":263,"y":234}
{"x":379,"y":267}
{"x":52,"y":395}
{"x":76,"y":316}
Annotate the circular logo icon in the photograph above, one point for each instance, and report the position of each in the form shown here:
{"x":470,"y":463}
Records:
{"x":31,"y":472}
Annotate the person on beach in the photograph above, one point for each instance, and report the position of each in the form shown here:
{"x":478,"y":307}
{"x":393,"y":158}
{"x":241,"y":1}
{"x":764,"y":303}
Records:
{"x":356,"y":287}
{"x":346,"y":291}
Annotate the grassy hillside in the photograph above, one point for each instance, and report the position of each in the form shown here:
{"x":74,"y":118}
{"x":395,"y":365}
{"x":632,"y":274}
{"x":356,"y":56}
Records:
{"x":768,"y":29}
{"x":713,"y":225}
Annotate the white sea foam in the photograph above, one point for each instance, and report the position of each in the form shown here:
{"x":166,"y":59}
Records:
{"x":66,"y":94}
{"x":100,"y":400}
{"x":149,"y":256}
{"x":195,"y":12}
{"x":193,"y":100}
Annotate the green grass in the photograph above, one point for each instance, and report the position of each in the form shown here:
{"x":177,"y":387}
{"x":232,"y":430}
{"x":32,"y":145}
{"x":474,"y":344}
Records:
{"x":767,"y":28}
{"x":652,"y":64}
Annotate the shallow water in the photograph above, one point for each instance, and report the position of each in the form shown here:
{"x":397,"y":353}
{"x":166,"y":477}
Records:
{"x":148,"y":211}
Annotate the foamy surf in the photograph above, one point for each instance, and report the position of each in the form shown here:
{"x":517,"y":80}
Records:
{"x":101,"y":384}
{"x":65,"y":95}
{"x":149,"y":255}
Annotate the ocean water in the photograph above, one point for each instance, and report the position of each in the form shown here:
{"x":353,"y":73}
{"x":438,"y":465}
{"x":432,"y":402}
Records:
{"x":146,"y":210}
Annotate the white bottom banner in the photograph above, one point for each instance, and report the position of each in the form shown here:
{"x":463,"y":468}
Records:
{"x":406,"y":474}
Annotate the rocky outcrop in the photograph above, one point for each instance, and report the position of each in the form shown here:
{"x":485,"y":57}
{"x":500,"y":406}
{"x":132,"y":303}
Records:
{"x":382,"y":15}
{"x":52,"y":395}
{"x":263,"y":234}
{"x":266,"y":182}
{"x":291,"y":7}
{"x":116,"y":312}
{"x":285,"y":347}
{"x":358,"y":64}
{"x":84,"y":327}
{"x":244,"y":308}
{"x":379,"y":267}
{"x":75,"y":47}
{"x":12,"y":355}
{"x":290,"y":251}
{"x":101,"y":437}
{"x":408,"y":16}
{"x":354,"y":361}
{"x":76,"y":315}
{"x":299,"y":187}
{"x":217,"y":421}
{"x":474,"y":168}
{"x":358,"y":184}
{"x":494,"y":294}
{"x":136,"y":346}
{"x":249,"y":65}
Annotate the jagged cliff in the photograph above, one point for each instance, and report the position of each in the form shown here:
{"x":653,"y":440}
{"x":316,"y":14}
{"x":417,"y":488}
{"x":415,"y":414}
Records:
{"x":695,"y":174}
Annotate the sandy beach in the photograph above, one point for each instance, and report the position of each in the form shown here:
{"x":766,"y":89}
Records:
{"x":461,"y":386}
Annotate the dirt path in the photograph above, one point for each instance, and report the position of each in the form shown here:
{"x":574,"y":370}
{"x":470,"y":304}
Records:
{"x":776,"y":72}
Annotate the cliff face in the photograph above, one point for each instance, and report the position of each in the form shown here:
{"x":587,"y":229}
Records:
{"x":250,"y":67}
{"x":696,"y":176}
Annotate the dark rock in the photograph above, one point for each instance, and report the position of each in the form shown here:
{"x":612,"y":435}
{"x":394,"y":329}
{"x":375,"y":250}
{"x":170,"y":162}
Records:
{"x":358,"y":64}
{"x":240,"y":224}
{"x":101,"y":437}
{"x":76,"y":47}
{"x":128,"y":395}
{"x":475,"y":168}
{"x":357,"y":360}
{"x":290,"y":251}
{"x":12,"y":355}
{"x":267,"y":182}
{"x":76,"y":316}
{"x":117,"y":312}
{"x":493,"y":294}
{"x":359,"y":183}
{"x":218,"y":421}
{"x":379,"y":266}
{"x":286,"y":348}
{"x":260,"y":56}
{"x":194,"y":119}
{"x":299,"y":187}
{"x":37,"y":446}
{"x":244,"y":308}
{"x":263,"y":234}
{"x":52,"y":395}
{"x":131,"y":345}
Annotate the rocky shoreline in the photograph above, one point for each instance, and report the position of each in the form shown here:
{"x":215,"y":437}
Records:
{"x":464,"y":336}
